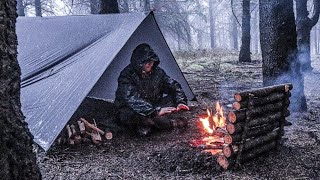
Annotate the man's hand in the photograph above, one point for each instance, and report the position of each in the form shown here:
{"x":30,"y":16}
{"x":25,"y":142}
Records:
{"x":166,"y":110}
{"x":182,"y":107}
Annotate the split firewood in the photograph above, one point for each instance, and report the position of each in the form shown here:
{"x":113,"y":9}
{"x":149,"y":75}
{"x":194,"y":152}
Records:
{"x":70,"y":137}
{"x":262,"y":92}
{"x":69,"y":131}
{"x":81,"y":127}
{"x":95,"y":137}
{"x":92,"y":126}
{"x":77,"y":137}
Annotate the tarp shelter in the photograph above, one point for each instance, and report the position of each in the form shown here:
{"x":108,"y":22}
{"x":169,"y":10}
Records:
{"x":65,"y":59}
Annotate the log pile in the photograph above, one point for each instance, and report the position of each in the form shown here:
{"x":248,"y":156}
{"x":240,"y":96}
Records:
{"x":256,"y":125}
{"x":84,"y":132}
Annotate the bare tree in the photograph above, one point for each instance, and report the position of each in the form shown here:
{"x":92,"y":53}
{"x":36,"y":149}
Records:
{"x":304,"y":26}
{"x":37,"y":5}
{"x":212,"y":24}
{"x":278,"y":39}
{"x":109,"y":6}
{"x":94,"y":6}
{"x":244,"y":55}
{"x":17,"y":160}
{"x":20,"y":8}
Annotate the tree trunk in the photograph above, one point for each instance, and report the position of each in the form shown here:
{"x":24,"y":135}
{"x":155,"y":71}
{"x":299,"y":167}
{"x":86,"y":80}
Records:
{"x":20,"y":8}
{"x":304,"y":26}
{"x":212,"y":26}
{"x":94,"y":6}
{"x":146,"y":5}
{"x":17,"y":160}
{"x":109,"y":6}
{"x":245,"y":46}
{"x":37,"y":5}
{"x":234,"y":33}
{"x":279,"y":49}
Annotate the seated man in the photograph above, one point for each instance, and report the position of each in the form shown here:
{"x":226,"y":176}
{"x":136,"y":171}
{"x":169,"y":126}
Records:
{"x":145,"y":94}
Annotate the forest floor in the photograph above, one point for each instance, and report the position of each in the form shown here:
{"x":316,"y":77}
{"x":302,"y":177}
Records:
{"x":167,"y":155}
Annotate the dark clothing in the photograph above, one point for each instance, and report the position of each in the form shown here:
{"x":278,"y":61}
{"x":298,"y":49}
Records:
{"x":143,"y":92}
{"x":140,"y":96}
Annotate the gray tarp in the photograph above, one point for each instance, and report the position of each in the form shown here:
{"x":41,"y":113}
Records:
{"x":64,"y":59}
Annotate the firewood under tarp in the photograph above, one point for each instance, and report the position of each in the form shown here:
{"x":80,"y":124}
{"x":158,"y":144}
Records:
{"x":262,"y":92}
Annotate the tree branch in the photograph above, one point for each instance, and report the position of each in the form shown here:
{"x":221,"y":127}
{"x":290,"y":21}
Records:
{"x":315,"y":16}
{"x":235,"y":14}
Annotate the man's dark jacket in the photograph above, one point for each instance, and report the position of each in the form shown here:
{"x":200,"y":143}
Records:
{"x":142,"y":92}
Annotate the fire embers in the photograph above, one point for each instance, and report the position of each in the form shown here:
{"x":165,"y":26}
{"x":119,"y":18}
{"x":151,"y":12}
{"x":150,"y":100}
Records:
{"x":256,"y":126}
{"x":213,"y":126}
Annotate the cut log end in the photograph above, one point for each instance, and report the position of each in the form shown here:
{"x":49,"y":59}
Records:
{"x":236,"y":106}
{"x":237,"y":97}
{"x":223,"y":162}
{"x":230,"y":128}
{"x":227,"y":139}
{"x":108,"y":135}
{"x":232,"y":117}
{"x":227,"y":151}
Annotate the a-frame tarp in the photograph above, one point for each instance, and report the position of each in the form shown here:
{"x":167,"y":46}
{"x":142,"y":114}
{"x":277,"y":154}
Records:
{"x":64,"y":59}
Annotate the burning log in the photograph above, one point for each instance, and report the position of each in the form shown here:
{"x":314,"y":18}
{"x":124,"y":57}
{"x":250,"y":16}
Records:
{"x":262,"y":92}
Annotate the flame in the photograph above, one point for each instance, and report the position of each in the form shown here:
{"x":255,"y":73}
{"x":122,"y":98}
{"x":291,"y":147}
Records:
{"x":211,"y":122}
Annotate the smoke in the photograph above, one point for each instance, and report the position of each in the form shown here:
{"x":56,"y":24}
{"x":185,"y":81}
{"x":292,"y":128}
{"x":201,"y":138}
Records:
{"x":294,"y":76}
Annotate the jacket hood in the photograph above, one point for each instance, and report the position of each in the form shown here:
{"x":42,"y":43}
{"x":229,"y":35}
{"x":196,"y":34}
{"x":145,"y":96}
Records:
{"x":142,"y":53}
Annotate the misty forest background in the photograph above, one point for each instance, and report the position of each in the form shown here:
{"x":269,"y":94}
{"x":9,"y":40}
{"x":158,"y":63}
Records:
{"x":234,"y":26}
{"x":186,"y":24}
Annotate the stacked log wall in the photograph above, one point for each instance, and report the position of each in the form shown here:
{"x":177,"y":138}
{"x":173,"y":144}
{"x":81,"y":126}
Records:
{"x":256,"y":125}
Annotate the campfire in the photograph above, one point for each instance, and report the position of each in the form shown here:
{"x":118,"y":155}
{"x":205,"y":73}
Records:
{"x":213,"y":126}
{"x":254,"y":127}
